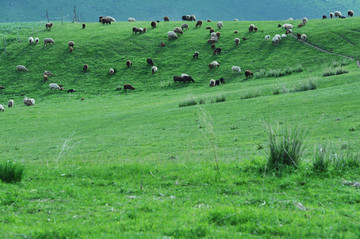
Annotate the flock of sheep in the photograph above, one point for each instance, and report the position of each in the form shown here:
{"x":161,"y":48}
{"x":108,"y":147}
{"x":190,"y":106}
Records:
{"x":172,"y":35}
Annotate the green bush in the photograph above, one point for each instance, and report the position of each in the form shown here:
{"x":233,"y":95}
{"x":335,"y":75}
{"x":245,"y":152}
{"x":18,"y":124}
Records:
{"x":321,"y":162}
{"x":219,"y":98}
{"x":286,"y":147}
{"x":188,"y":102}
{"x":335,"y":71}
{"x":11,"y":172}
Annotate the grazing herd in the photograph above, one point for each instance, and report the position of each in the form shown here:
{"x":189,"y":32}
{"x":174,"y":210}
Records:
{"x":172,"y":35}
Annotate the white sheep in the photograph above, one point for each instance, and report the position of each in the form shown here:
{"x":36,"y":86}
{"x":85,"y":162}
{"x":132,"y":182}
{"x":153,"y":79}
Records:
{"x":182,"y":75}
{"x":287,"y":26}
{"x":291,"y":19}
{"x":278,"y":36}
{"x":236,"y":69}
{"x":350,"y":13}
{"x":36,"y":40}
{"x":192,"y":17}
{"x":154,"y":69}
{"x":213,"y":35}
{"x":237,"y":41}
{"x":331,"y":14}
{"x":304,"y":20}
{"x":131,"y":19}
{"x":71,"y":44}
{"x":172,"y":35}
{"x":54,"y":86}
{"x":31,"y":40}
{"x":111,"y":71}
{"x":11,"y":103}
{"x":236,"y":20}
{"x":21,"y":68}
{"x":48,"y":41}
{"x":283,"y":35}
{"x":275,"y":40}
{"x":48,"y":73}
{"x":220,"y":25}
{"x":338,"y":14}
{"x":212,"y":83}
{"x":214,"y":64}
{"x":2,"y":108}
{"x":29,"y":101}
{"x":303,"y":37}
{"x":267,"y":37}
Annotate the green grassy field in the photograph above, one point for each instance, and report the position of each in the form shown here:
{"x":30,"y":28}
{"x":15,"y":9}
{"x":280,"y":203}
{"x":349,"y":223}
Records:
{"x":136,"y":165}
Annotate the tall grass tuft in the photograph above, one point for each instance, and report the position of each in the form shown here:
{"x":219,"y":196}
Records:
{"x":334,"y":71}
{"x":250,"y":94}
{"x":310,"y":85}
{"x":286,"y":147}
{"x":321,"y":162}
{"x":219,"y":98}
{"x":188,"y":102}
{"x":278,"y":72}
{"x":11,"y":172}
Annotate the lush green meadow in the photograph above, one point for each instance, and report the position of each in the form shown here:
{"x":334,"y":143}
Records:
{"x":136,"y":165}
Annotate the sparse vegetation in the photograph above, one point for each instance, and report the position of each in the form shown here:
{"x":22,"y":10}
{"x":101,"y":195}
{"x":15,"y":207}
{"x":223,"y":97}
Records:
{"x":278,"y":72}
{"x":188,"y":102}
{"x":250,"y":94}
{"x":335,"y":71}
{"x":218,"y":99}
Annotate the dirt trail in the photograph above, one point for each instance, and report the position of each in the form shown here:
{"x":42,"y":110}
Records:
{"x":320,"y":49}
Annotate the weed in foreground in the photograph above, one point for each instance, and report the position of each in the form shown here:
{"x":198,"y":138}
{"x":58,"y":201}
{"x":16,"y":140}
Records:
{"x":321,"y":162}
{"x":11,"y":172}
{"x":286,"y":147}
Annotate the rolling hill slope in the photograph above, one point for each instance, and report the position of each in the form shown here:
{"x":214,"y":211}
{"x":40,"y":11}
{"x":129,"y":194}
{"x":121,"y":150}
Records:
{"x":136,"y":165}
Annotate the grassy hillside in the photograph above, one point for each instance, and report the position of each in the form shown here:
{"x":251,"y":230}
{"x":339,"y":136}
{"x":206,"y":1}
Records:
{"x":89,"y":10}
{"x":136,"y":165}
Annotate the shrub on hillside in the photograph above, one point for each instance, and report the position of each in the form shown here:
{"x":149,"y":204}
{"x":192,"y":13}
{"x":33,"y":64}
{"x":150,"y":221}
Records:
{"x":11,"y":172}
{"x":286,"y":147}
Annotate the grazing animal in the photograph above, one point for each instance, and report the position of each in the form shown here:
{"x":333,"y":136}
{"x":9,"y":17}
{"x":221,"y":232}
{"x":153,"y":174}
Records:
{"x":83,"y":26}
{"x":248,"y":74}
{"x":255,"y":29}
{"x":267,"y":38}
{"x":208,"y":20}
{"x":85,"y":67}
{"x":218,"y":34}
{"x":324,"y":17}
{"x":172,"y":35}
{"x":304,"y":20}
{"x":236,"y":69}
{"x":31,"y":40}
{"x":128,"y":87}
{"x":166,"y":19}
{"x":111,"y":71}
{"x":220,"y":25}
{"x":298,"y":35}
{"x":217,"y":51}
{"x":21,"y":68}
{"x":338,"y":14}
{"x":128,"y":63}
{"x":2,"y":108}
{"x":36,"y":40}
{"x":288,"y":26}
{"x":71,"y":44}
{"x":276,"y":39}
{"x":150,"y":61}
{"x":185,"y":26}
{"x":331,"y":15}
{"x":153,"y":24}
{"x":217,"y":82}
{"x":211,"y":30}
{"x":198,"y":23}
{"x":54,"y":86}
{"x":342,"y":17}
{"x":71,"y":49}
{"x":11,"y":103}
{"x":48,"y":73}
{"x":237,"y":41}
{"x":154,"y":69}
{"x":214,"y":64}
{"x":131,"y":19}
{"x":71,"y":91}
{"x":350,"y":13}
{"x":244,"y":39}
{"x":49,"y":25}
{"x":283,"y":35}
{"x":236,"y":32}
{"x":279,"y":25}
{"x":196,"y":55}
{"x":213,"y":46}
{"x":162,"y":44}
{"x":303,"y":37}
{"x":251,"y":27}
{"x":29,"y":101}
{"x":82,"y":98}
{"x":212,"y":83}
{"x":45,"y":78}
{"x":2,"y":88}
{"x":301,"y":25}
{"x":48,"y":41}
{"x":208,"y":28}
{"x":222,"y":80}
{"x":289,"y":31}
{"x":178,"y":30}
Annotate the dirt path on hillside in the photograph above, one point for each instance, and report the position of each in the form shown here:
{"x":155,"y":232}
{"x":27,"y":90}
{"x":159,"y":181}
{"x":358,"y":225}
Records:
{"x":323,"y":50}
